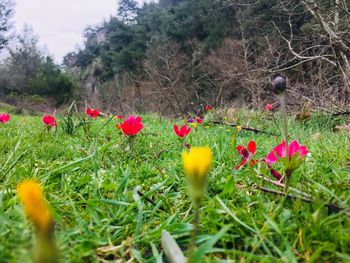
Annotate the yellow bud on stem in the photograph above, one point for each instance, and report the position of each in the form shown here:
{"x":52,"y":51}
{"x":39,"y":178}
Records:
{"x":197,"y":163}
{"x":37,"y":211}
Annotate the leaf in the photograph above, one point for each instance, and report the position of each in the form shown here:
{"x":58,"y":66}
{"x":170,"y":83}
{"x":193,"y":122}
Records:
{"x":171,"y":249}
{"x":209,"y":244}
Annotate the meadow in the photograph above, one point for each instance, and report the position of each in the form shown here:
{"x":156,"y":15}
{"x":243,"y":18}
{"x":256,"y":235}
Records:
{"x":111,"y":197}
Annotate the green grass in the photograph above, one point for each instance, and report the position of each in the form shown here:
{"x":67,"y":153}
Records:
{"x":92,"y":184}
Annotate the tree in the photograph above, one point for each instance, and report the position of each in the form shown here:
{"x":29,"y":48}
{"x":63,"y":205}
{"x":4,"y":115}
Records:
{"x":128,"y":10}
{"x":6,"y":12}
{"x":27,"y":71}
{"x":23,"y":61}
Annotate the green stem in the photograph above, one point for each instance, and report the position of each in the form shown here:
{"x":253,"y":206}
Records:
{"x":195,"y":230}
{"x":285,"y":120}
{"x":286,"y":181}
{"x":275,"y":121}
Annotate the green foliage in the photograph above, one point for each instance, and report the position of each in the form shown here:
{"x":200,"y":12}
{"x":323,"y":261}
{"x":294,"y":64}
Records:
{"x":6,"y":12}
{"x":28,"y":72}
{"x":93,"y":189}
{"x":52,"y":82}
{"x":126,"y":37}
{"x":72,"y":121}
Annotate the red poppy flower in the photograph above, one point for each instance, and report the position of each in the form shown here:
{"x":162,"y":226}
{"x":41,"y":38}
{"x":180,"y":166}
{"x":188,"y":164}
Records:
{"x":92,"y":113}
{"x":4,"y":117}
{"x":49,"y":120}
{"x":208,"y":107}
{"x":120,"y":116}
{"x":199,"y":120}
{"x":132,"y":125}
{"x":247,"y":154}
{"x":268,"y":107}
{"x":182,"y":132}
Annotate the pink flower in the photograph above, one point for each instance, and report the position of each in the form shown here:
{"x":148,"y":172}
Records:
{"x":4,"y":117}
{"x":92,"y":113}
{"x":132,"y":125}
{"x":182,"y":132}
{"x":268,"y":107}
{"x":49,"y":120}
{"x":208,"y":107}
{"x":295,"y":151}
{"x":247,"y":154}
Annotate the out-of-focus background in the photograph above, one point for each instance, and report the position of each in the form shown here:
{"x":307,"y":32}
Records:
{"x":171,"y":56}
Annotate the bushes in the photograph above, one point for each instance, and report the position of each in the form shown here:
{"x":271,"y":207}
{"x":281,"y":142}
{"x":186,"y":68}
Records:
{"x":52,"y":82}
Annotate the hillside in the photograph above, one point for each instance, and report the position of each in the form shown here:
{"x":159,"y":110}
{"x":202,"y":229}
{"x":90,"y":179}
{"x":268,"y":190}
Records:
{"x":174,"y":55}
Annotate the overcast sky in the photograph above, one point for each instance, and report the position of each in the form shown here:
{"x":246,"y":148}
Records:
{"x":60,"y":23}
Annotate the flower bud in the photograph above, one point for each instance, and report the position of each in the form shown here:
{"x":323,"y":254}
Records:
{"x":279,"y":84}
{"x":197,"y":163}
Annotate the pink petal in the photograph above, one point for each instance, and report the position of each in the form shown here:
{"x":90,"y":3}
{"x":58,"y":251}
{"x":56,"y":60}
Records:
{"x":271,"y":158}
{"x":303,"y":151}
{"x":280,"y":150}
{"x":293,"y":148}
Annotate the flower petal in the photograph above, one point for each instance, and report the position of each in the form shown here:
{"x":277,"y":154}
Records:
{"x":280,"y":150}
{"x":293,"y":148}
{"x":241,"y":164}
{"x":252,"y":147}
{"x":239,"y":149}
{"x":271,"y":158}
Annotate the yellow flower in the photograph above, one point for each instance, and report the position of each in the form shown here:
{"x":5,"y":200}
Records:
{"x":239,"y":128}
{"x":31,"y":195}
{"x":194,"y":125}
{"x":197,"y":163}
{"x":207,"y":127}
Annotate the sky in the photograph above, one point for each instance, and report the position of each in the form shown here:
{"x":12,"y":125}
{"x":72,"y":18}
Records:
{"x":59,"y":24}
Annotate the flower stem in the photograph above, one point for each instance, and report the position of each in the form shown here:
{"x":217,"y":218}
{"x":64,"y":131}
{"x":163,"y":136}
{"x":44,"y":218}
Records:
{"x":285,"y":120}
{"x":195,"y":230}
{"x":286,"y":183}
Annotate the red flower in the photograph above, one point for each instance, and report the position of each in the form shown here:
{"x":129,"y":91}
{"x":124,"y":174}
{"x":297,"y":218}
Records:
{"x":131,"y":125}
{"x":247,"y":154}
{"x":295,"y":151}
{"x":120,"y":116}
{"x":92,"y":113}
{"x":182,"y":132}
{"x":4,"y":117}
{"x":199,"y":120}
{"x":49,"y":120}
{"x":208,"y":107}
{"x":268,"y":107}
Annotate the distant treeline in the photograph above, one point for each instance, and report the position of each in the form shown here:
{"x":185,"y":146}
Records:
{"x":173,"y":55}
{"x":27,"y":74}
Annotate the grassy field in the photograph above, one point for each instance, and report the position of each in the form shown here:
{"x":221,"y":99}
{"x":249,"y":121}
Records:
{"x":110,"y":200}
